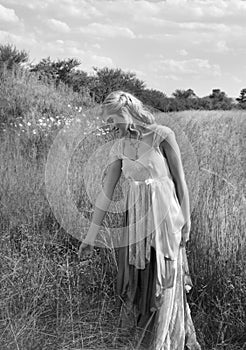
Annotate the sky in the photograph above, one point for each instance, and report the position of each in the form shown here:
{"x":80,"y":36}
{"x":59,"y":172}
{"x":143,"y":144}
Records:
{"x":172,"y":44}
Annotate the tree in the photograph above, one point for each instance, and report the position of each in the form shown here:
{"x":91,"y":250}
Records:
{"x":155,"y":98}
{"x":220,"y":100}
{"x":242,"y":96}
{"x":79,"y":80}
{"x":205,"y":103}
{"x":58,"y":71}
{"x":183,"y":94}
{"x":184,"y":99}
{"x":109,"y":79}
{"x":10,"y":57}
{"x":242,"y":99}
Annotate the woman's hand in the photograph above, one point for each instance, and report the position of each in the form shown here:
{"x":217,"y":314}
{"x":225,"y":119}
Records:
{"x":85,"y":251}
{"x":185,"y":233}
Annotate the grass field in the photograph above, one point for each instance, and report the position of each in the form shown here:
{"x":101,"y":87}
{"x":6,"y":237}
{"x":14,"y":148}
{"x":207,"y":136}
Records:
{"x":51,"y":300}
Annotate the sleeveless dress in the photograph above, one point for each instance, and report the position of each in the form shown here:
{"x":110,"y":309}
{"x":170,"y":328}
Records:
{"x":153,"y":274}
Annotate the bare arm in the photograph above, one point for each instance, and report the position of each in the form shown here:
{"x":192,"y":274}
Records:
{"x":170,"y":149}
{"x":103,"y":200}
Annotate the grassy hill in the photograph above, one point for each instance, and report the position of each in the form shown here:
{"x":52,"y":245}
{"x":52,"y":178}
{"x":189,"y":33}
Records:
{"x":50,"y":299}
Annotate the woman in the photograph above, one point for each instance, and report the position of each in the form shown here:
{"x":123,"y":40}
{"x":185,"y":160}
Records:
{"x":153,"y":273}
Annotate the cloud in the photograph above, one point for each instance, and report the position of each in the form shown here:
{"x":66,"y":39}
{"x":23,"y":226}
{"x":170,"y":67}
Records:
{"x":74,"y":51}
{"x":182,"y":52}
{"x":28,"y":4}
{"x":83,"y":10}
{"x":216,"y":11}
{"x":172,"y":77}
{"x":236,"y":79}
{"x":58,"y":26}
{"x":195,"y":66}
{"x":101,"y":61}
{"x":25,"y":42}
{"x":96,"y":46}
{"x":107,"y":30}
{"x":222,"y":47}
{"x":8,"y":15}
{"x":186,"y":40}
{"x":60,"y":42}
{"x":216,"y":27}
{"x":127,"y":8}
{"x":70,"y":48}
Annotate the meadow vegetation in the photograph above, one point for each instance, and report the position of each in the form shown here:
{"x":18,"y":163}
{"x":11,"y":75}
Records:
{"x":52,"y":300}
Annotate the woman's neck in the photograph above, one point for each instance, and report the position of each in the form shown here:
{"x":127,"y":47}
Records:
{"x":143,"y":130}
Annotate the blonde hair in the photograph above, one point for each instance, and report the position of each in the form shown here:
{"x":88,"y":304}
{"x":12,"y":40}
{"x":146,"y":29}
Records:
{"x":127,"y":105}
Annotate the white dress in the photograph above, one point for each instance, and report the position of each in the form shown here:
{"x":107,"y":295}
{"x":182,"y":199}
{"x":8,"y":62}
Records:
{"x":153,"y":270}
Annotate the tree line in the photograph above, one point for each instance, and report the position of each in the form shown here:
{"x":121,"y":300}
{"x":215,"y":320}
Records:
{"x":102,"y":81}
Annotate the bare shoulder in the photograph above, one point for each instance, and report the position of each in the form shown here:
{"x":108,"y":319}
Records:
{"x":163,"y":133}
{"x":169,"y":145}
{"x":163,"y":129}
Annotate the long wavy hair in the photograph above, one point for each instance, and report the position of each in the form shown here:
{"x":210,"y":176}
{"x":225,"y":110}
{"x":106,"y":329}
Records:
{"x":130,"y":107}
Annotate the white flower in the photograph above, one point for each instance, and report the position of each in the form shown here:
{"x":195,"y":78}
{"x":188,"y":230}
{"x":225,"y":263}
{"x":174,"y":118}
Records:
{"x":187,"y":288}
{"x":149,"y":181}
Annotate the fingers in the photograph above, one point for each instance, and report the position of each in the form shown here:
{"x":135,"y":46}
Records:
{"x":81,"y":249}
{"x":184,"y":240}
{"x":85,"y":251}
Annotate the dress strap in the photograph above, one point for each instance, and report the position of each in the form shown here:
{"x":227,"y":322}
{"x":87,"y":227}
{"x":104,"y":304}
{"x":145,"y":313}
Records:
{"x":115,"y":151}
{"x":161,"y":133}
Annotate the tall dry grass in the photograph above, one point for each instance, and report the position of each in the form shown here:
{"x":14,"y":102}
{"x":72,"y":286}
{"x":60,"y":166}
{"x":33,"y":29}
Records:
{"x":50,"y":299}
{"x":216,"y":249}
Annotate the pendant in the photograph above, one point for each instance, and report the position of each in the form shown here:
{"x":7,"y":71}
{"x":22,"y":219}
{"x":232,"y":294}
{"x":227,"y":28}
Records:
{"x":136,"y":146}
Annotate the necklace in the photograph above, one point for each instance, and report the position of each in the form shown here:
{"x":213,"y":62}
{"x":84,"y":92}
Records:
{"x":136,"y":144}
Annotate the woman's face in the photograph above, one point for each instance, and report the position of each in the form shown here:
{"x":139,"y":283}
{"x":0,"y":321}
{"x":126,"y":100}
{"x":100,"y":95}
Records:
{"x":119,"y":123}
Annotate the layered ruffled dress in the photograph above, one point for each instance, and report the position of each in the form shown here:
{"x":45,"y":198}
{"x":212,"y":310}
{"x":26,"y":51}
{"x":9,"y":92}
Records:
{"x":153,"y":274}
